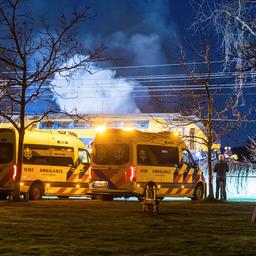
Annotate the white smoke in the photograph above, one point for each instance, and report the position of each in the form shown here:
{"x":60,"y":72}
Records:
{"x":100,"y":91}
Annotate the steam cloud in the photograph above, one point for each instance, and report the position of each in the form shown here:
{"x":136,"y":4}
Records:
{"x":99,"y":92}
{"x":144,"y":36}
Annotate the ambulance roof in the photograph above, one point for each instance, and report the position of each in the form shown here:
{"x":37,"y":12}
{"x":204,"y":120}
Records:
{"x":53,"y":138}
{"x":49,"y":137}
{"x":139,"y":137}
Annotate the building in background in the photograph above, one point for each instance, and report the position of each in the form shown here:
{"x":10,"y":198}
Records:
{"x":87,"y":126}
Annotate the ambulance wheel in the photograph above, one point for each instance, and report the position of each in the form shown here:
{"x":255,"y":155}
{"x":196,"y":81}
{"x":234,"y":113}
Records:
{"x":198,"y":192}
{"x":36,"y":191}
{"x":106,"y":198}
{"x":3,"y":196}
{"x":140,"y":198}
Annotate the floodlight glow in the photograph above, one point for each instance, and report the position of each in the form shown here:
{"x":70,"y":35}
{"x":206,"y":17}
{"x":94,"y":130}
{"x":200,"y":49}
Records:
{"x":176,"y":133}
{"x":101,"y":129}
{"x":128,"y":129}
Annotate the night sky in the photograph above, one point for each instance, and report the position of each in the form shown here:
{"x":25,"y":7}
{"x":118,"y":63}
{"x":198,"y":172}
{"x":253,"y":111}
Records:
{"x":137,"y":33}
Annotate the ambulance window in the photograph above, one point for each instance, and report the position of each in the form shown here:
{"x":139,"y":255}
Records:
{"x":6,"y":153}
{"x":187,"y":157}
{"x":48,"y":155}
{"x":157,"y":155}
{"x":84,"y":156}
{"x":112,"y":154}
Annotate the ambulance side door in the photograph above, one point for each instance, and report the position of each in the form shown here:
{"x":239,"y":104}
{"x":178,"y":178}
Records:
{"x":84,"y":160}
{"x":188,"y":160}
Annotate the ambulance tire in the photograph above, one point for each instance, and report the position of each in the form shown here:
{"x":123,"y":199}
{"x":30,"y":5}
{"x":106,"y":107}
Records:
{"x":36,"y":191}
{"x":198,"y":192}
{"x":106,"y":198}
{"x":3,"y":196}
{"x":140,"y":198}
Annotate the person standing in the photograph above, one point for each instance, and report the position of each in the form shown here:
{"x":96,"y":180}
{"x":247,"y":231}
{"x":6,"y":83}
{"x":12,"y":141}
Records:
{"x":221,"y":169}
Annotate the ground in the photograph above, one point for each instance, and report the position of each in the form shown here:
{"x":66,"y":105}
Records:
{"x":92,"y":227}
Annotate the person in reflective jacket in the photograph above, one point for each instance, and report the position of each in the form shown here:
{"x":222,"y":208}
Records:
{"x":221,"y":168}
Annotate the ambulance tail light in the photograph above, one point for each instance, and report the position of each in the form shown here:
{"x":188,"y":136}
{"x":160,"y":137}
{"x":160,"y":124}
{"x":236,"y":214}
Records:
{"x":132,"y":173}
{"x":14,"y":172}
{"x":90,"y":173}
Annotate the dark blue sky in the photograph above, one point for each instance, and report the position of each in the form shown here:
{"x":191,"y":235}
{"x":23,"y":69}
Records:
{"x":138,"y":32}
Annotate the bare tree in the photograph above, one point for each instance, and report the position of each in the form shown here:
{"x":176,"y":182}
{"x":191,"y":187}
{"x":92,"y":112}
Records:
{"x":234,"y":24}
{"x":251,"y":149}
{"x":206,"y":107}
{"x":30,"y":56}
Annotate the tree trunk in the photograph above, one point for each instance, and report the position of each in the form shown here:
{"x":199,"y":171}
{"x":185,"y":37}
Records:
{"x":210,"y":184}
{"x":21,"y":132}
{"x":19,"y":167}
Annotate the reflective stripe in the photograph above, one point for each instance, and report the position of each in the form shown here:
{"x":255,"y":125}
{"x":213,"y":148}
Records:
{"x":178,"y":174}
{"x":84,"y":177}
{"x":188,"y":176}
{"x":5,"y":179}
{"x":178,"y":191}
{"x":64,"y":185}
{"x":85,"y":191}
{"x":118,"y":179}
{"x":70,"y":179}
{"x":103,"y":177}
{"x":176,"y":185}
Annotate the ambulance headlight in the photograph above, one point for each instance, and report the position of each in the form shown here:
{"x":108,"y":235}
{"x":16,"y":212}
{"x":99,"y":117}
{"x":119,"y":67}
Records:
{"x":127,"y":129}
{"x":101,"y":129}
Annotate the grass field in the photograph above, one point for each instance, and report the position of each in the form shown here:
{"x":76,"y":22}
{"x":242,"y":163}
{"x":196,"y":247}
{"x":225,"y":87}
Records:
{"x":85,"y":227}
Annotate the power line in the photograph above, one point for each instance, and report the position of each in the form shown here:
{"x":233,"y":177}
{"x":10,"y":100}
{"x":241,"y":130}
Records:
{"x":164,"y":65}
{"x":217,"y":73}
{"x":135,"y":87}
{"x":134,"y":66}
{"x":47,"y":97}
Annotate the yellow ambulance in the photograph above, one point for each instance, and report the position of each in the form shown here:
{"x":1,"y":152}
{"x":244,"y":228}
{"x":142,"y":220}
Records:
{"x":127,"y":163}
{"x":54,"y":163}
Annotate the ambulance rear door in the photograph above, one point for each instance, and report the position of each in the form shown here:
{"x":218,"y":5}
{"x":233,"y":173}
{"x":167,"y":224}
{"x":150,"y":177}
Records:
{"x":7,"y":160}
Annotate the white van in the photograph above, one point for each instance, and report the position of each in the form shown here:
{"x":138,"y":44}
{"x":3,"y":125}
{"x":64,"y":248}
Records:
{"x":126,"y":163}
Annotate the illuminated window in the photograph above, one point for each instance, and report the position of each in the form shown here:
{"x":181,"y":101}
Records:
{"x":187,"y":158}
{"x":114,"y":124}
{"x":142,"y":124}
{"x":46,"y":125}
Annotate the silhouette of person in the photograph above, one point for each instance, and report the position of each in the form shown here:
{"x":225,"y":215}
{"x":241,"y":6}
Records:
{"x":221,"y":168}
